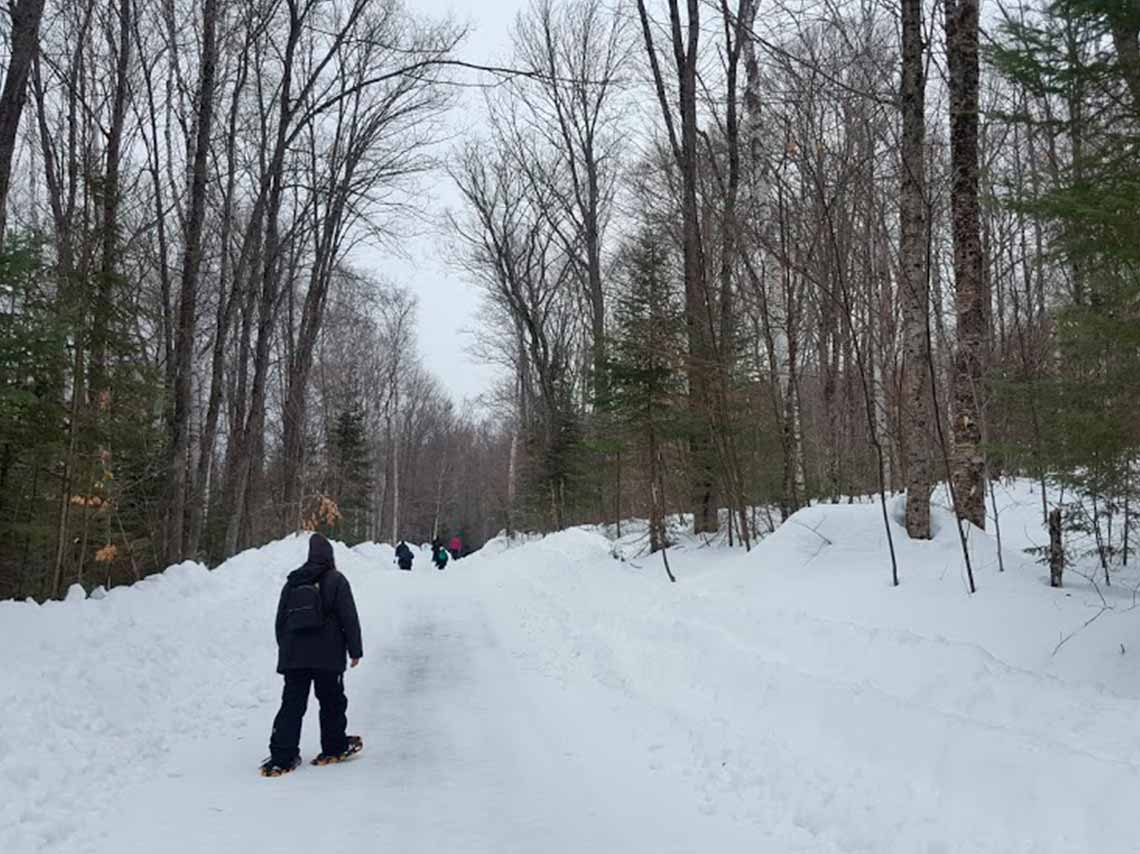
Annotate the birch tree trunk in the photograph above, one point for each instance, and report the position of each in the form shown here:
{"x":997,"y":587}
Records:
{"x":969,"y":357}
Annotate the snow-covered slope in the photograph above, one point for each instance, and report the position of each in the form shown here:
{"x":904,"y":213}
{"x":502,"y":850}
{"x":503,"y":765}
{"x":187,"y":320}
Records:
{"x":547,"y":697}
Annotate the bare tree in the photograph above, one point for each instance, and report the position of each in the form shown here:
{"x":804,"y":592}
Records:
{"x":398,"y":318}
{"x":378,"y":136}
{"x":513,"y":248}
{"x":685,"y":43}
{"x":579,"y":53}
{"x":102,"y":306}
{"x":229,"y":285}
{"x":188,"y":297}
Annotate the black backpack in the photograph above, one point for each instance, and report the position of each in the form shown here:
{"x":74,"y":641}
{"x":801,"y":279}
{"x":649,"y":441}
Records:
{"x":304,"y":610}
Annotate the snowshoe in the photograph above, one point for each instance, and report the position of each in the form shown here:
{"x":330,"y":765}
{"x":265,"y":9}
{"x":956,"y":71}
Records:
{"x":355,"y":745}
{"x":269,"y":768}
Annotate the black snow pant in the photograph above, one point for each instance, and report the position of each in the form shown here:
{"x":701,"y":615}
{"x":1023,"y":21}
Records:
{"x":284,"y":743}
{"x":405,"y":564}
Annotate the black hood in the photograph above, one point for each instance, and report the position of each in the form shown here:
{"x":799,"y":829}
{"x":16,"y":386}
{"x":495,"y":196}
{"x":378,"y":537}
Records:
{"x":320,"y":561}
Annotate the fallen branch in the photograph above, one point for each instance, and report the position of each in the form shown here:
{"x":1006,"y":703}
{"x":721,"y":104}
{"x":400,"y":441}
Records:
{"x":816,"y":531}
{"x":1104,"y":606}
{"x":1076,"y":632}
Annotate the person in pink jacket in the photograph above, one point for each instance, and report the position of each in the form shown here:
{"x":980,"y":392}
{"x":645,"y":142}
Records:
{"x":455,"y":547}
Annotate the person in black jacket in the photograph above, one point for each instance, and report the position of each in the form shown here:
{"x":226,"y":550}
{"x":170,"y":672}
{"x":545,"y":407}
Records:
{"x":311,"y":650}
{"x":404,"y":556}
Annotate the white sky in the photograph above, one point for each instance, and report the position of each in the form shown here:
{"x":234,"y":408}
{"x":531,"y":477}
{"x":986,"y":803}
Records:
{"x":448,"y":305}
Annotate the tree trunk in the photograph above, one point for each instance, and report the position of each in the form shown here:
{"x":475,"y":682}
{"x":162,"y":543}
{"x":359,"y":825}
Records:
{"x":101,"y":310}
{"x":69,"y":466}
{"x":1125,"y":26}
{"x":915,"y":287}
{"x":737,"y":33}
{"x":657,"y":536}
{"x":1056,"y":553}
{"x":685,"y":55}
{"x":154,"y":166}
{"x":300,"y":365}
{"x":188,"y":299}
{"x":1127,"y":513}
{"x":23,"y":45}
{"x":268,"y":301}
{"x":233,"y":490}
{"x":969,"y":357}
{"x":696,"y":290}
{"x":512,"y":482}
{"x":396,"y":464}
{"x":228,"y":300}
{"x":594,"y":278}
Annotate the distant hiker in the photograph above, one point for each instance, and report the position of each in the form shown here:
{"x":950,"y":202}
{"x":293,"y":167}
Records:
{"x":317,"y":627}
{"x":404,"y":556}
{"x":439,"y":556}
{"x":455,"y":546}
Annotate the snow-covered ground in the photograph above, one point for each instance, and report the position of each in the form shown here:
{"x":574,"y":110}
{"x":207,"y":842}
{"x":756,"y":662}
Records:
{"x":548,"y":697}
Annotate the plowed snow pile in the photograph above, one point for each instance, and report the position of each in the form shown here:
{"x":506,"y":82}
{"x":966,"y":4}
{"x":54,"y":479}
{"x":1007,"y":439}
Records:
{"x":547,"y":697}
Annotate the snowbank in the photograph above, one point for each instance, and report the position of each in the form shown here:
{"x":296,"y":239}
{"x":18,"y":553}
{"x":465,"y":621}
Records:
{"x":95,"y":691}
{"x":796,"y":690}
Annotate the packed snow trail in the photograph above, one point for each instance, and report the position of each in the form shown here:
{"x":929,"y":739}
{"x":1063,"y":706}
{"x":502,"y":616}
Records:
{"x":463,"y":753}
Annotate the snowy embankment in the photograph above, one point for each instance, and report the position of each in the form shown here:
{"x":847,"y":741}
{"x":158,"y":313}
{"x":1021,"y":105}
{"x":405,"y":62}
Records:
{"x":548,"y":697}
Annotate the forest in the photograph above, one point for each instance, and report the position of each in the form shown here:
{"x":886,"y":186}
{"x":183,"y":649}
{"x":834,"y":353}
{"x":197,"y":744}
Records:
{"x":734,"y":259}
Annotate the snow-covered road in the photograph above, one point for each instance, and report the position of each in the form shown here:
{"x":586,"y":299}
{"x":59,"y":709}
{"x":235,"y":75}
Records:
{"x":468,"y":750}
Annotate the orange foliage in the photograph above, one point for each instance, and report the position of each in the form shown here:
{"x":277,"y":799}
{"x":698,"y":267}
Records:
{"x":325,"y":513}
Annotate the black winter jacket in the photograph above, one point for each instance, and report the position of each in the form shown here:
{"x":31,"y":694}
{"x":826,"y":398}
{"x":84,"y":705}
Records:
{"x":404,"y":555}
{"x":339,"y":637}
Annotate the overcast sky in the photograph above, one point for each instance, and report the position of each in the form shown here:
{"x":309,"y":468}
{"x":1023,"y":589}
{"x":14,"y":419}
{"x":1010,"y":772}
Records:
{"x":448,"y":305}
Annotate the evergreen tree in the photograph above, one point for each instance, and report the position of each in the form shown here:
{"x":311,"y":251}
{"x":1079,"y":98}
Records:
{"x":353,"y":480}
{"x":1075,"y":56}
{"x":33,"y":362}
{"x":647,"y":385}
